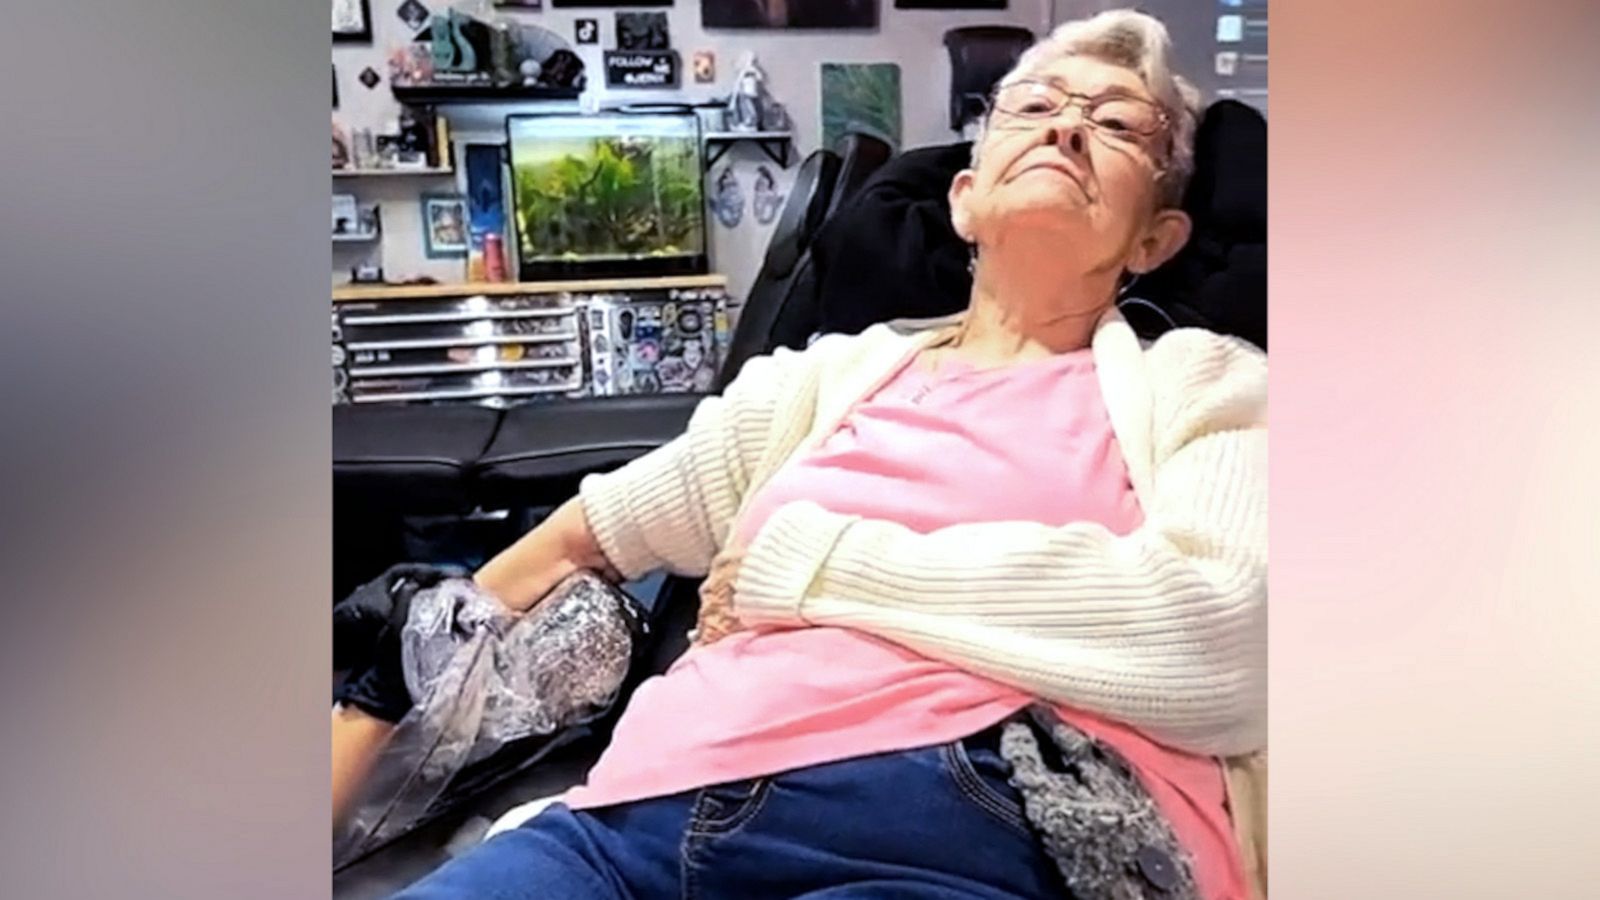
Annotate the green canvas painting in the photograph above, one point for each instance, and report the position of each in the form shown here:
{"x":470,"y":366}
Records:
{"x":862,"y":97}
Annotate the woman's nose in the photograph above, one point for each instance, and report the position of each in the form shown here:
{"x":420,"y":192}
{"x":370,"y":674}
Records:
{"x":1070,"y":136}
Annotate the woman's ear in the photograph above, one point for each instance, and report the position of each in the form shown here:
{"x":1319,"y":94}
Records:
{"x":1165,"y":236}
{"x":960,"y":216}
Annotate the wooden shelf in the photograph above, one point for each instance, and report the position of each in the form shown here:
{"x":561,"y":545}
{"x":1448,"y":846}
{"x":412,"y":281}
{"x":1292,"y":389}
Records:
{"x":378,"y":173}
{"x":361,"y":292}
{"x":453,"y":93}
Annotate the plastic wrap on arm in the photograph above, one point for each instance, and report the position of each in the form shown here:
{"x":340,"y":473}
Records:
{"x":482,"y":677}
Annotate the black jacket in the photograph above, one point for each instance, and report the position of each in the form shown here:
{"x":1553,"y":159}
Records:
{"x":890,"y":252}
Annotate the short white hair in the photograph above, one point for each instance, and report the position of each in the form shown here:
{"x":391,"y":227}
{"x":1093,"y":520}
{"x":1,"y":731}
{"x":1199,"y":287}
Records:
{"x":1134,"y":41}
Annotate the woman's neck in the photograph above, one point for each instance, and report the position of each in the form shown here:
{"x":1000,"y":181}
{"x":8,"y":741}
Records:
{"x":1026,"y":313}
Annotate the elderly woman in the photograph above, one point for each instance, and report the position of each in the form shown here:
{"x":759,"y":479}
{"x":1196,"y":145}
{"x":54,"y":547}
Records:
{"x":915,"y":533}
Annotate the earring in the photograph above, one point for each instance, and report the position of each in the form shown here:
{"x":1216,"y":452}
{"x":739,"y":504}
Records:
{"x":1133,"y":279}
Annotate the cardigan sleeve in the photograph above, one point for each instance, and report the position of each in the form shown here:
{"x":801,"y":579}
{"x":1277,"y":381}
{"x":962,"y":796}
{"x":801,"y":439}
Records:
{"x":672,"y":507}
{"x":1163,"y":628}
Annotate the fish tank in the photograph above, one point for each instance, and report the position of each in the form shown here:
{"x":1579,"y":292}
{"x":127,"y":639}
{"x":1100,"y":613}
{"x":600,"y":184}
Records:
{"x":607,"y":194}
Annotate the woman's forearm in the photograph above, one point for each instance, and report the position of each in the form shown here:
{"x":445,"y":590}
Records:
{"x":358,"y":739}
{"x":560,"y":545}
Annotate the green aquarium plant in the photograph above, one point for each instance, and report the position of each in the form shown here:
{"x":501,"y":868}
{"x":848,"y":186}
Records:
{"x":617,"y":196}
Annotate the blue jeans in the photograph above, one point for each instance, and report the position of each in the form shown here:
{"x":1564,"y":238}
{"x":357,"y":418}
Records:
{"x":936,"y":822}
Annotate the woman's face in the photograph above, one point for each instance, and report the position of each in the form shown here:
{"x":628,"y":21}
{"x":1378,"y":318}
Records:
{"x":1090,"y":196}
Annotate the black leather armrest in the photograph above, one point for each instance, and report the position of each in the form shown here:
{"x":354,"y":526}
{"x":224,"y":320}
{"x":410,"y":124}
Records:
{"x":418,"y":458}
{"x":542,"y":451}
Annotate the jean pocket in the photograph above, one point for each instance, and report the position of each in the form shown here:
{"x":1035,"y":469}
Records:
{"x":981,"y":777}
{"x":724,"y":807}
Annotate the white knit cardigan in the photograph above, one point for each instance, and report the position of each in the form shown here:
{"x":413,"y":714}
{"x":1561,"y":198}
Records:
{"x":1163,"y":628}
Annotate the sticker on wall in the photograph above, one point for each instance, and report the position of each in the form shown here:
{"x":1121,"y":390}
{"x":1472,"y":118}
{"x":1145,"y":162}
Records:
{"x":862,"y":97}
{"x":642,"y":31}
{"x":727,"y":198}
{"x":705,"y":66}
{"x":657,"y":69}
{"x":587,"y":31}
{"x":647,"y":347}
{"x":414,"y":14}
{"x":370,"y":77}
{"x":768,"y":200}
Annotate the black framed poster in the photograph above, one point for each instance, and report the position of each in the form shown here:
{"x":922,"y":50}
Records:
{"x":790,"y":14}
{"x":352,"y":22}
{"x":949,"y":4}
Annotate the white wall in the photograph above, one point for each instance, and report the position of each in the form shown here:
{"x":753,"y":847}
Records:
{"x":792,"y":59}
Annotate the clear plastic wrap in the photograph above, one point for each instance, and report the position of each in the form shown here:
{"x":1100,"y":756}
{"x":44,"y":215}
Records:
{"x":482,"y":677}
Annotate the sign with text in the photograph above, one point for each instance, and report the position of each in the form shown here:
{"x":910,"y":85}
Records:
{"x":641,"y":68}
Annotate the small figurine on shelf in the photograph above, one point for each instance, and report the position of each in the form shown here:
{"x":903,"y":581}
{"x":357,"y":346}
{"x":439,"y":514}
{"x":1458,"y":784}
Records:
{"x":415,"y":142}
{"x":411,"y":64}
{"x":774,"y":117}
{"x":750,"y":107}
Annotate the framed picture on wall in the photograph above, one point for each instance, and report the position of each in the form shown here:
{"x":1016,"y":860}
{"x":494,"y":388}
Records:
{"x":949,"y":4}
{"x":352,"y":21}
{"x":444,"y":225}
{"x":581,"y":3}
{"x":862,"y":97}
{"x":789,"y":13}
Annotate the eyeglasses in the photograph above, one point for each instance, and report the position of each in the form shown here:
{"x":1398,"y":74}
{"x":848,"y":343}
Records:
{"x":1021,"y":103}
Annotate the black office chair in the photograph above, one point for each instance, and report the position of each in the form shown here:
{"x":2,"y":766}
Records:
{"x":1219,"y":279}
{"x":893,"y":254}
{"x":489,"y":461}
{"x":782,"y":270}
{"x":781,"y":309}
{"x":860,"y":155}
{"x":799,"y":313}
{"x":980,"y":55}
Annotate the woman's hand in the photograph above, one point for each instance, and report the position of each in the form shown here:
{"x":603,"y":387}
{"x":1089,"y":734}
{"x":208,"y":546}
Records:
{"x":717,"y":619}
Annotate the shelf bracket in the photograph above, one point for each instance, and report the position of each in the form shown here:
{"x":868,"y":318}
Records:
{"x":777,"y":148}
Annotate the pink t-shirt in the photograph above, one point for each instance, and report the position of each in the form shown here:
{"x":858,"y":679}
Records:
{"x":927,"y":451}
